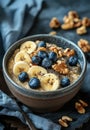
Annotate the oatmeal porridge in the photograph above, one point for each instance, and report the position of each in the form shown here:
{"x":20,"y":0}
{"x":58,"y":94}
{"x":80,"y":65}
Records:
{"x":43,"y":66}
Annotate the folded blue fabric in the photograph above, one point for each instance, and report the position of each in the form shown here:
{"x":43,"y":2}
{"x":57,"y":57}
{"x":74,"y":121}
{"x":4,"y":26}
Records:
{"x":17,"y":18}
{"x":47,"y":121}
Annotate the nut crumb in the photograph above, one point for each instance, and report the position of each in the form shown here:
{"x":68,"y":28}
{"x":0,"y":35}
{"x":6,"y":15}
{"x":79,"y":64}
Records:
{"x":53,"y":33}
{"x":81,"y":30}
{"x":54,"y":23}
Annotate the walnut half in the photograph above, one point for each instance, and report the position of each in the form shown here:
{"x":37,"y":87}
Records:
{"x":61,"y":67}
{"x":64,"y":121}
{"x":84,"y":45}
{"x":80,"y":106}
{"x":81,"y":30}
{"x":69,"y":52}
{"x":54,"y":23}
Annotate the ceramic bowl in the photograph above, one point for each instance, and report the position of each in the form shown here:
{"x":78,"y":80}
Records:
{"x":45,"y":101}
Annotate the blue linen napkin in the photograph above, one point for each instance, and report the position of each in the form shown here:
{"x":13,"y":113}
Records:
{"x":17,"y":18}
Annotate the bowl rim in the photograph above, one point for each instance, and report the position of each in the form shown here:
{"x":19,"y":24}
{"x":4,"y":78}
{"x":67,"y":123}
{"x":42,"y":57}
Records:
{"x":30,"y":92}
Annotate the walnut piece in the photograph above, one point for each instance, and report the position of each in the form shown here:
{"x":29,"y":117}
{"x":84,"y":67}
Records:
{"x":81,"y":30}
{"x":54,"y":23}
{"x":66,"y":118}
{"x":57,"y":50}
{"x":35,"y":52}
{"x":61,"y":67}
{"x":41,"y":49}
{"x":73,"y":14}
{"x":69,"y":52}
{"x":84,"y":104}
{"x":71,"y":21}
{"x":86,"y":21}
{"x":67,"y":26}
{"x":79,"y":108}
{"x":77,"y":22}
{"x":66,"y":19}
{"x":64,"y":121}
{"x":84,"y":45}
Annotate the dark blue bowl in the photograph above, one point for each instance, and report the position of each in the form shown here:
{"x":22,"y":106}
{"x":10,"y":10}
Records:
{"x":45,"y":101}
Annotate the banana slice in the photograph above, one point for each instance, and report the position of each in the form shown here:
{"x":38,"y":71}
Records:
{"x":19,"y":67}
{"x":36,"y":71}
{"x":50,"y":82}
{"x":28,"y":46}
{"x":22,"y":56}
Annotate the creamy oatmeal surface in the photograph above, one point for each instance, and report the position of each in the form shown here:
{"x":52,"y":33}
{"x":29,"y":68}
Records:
{"x":43,"y":66}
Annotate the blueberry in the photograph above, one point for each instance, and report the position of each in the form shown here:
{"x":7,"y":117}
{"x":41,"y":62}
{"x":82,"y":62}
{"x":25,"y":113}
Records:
{"x":52,"y":56}
{"x":73,"y":60}
{"x":42,"y":54}
{"x":65,"y":82}
{"x":46,"y":63}
{"x":23,"y":76}
{"x":42,"y":44}
{"x":34,"y":83}
{"x":36,"y":60}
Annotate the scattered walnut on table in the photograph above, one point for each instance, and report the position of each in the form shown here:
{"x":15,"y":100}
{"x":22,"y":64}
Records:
{"x":81,"y":30}
{"x":80,"y":106}
{"x":77,"y":22}
{"x":54,"y":23}
{"x":86,"y":21}
{"x":84,"y":45}
{"x":71,"y":21}
{"x":73,"y":14}
{"x":84,"y":104}
{"x":66,"y":19}
{"x":64,"y":120}
{"x":67,"y":26}
{"x":62,"y":123}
